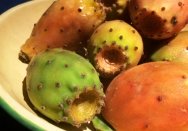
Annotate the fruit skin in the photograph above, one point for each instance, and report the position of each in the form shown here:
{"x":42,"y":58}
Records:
{"x":114,"y":46}
{"x":152,"y":96}
{"x":158,"y":19}
{"x":64,"y":86}
{"x":174,"y":50}
{"x":66,"y":24}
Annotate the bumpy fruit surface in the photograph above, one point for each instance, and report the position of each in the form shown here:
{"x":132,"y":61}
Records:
{"x":159,"y":19}
{"x":66,"y":24}
{"x":114,"y":46}
{"x":64,"y":86}
{"x":151,"y":96}
{"x":175,"y":50}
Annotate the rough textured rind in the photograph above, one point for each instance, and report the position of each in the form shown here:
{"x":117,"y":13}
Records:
{"x":66,"y":24}
{"x":151,"y":96}
{"x":114,"y":46}
{"x":159,"y":19}
{"x":64,"y":86}
{"x":174,"y":50}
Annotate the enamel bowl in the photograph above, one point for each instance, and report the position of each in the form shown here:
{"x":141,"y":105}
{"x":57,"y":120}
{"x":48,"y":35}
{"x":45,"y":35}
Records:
{"x":16,"y":25}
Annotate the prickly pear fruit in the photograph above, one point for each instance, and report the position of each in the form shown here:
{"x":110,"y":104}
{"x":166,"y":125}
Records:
{"x":115,"y":8}
{"x":152,"y":96}
{"x":66,"y":24}
{"x":159,"y":19}
{"x":175,"y":50}
{"x":64,"y":86}
{"x":114,"y":46}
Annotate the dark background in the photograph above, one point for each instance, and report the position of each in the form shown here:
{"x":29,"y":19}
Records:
{"x":7,"y":122}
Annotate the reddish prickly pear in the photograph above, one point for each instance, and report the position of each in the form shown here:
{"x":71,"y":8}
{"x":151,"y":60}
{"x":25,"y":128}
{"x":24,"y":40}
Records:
{"x":151,"y":96}
{"x":66,"y":24}
{"x":159,"y":19}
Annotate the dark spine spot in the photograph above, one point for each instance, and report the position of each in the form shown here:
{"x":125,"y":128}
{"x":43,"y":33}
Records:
{"x":83,"y":75}
{"x":66,"y":65}
{"x":135,"y":48}
{"x":159,"y":98}
{"x":43,"y":107}
{"x":61,"y":30}
{"x":174,"y":20}
{"x":184,"y":77}
{"x":180,"y":4}
{"x":186,"y":48}
{"x":79,"y":10}
{"x":57,"y":84}
{"x":163,"y":9}
{"x":62,"y":8}
{"x":39,"y":86}
{"x":110,"y":30}
{"x":121,"y":37}
{"x":126,"y":48}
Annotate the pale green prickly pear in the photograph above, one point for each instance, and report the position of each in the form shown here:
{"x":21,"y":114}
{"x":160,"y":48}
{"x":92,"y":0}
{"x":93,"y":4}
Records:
{"x":174,"y":50}
{"x":64,"y":86}
{"x":114,"y":46}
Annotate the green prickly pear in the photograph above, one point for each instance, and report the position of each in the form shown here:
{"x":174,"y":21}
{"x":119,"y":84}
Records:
{"x":114,"y":46}
{"x":64,"y":86}
{"x":175,"y":50}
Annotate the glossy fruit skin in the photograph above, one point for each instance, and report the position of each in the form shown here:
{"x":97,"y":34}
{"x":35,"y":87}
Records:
{"x":65,"y":24}
{"x":175,"y":49}
{"x":57,"y":79}
{"x":114,"y":46}
{"x":152,"y":96}
{"x":159,"y":19}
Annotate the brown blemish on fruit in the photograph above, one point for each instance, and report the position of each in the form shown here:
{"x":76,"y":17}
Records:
{"x":147,"y":22}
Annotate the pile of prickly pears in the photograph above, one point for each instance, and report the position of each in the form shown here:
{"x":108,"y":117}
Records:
{"x":121,"y":64}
